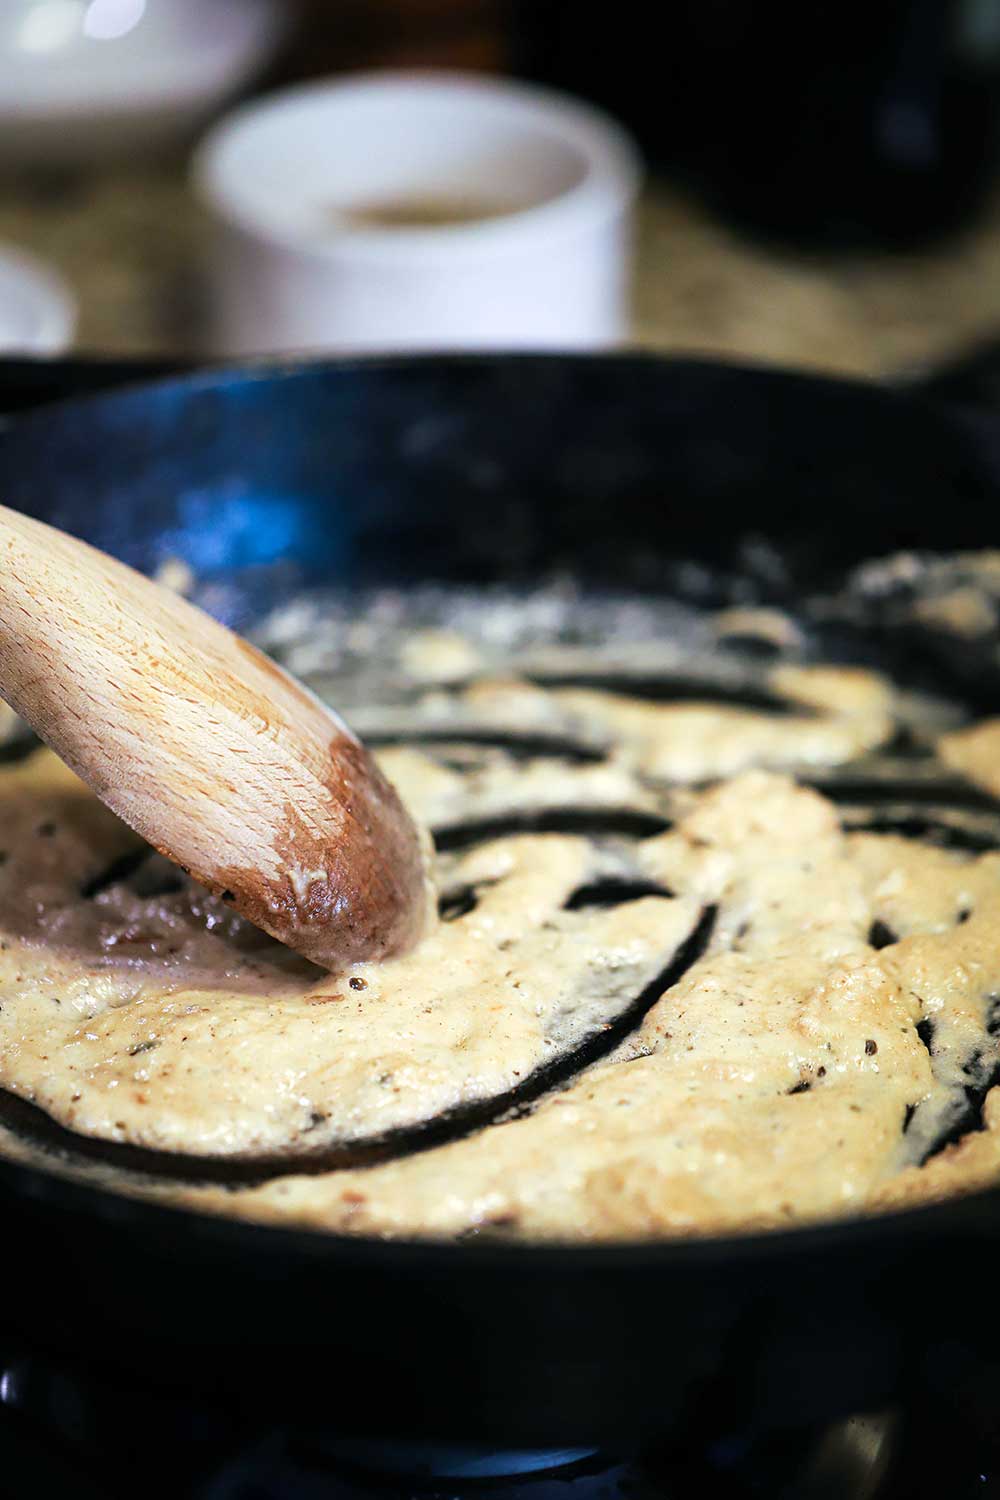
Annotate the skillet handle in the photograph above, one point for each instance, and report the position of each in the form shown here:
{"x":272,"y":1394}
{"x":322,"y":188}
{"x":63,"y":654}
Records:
{"x":26,"y":382}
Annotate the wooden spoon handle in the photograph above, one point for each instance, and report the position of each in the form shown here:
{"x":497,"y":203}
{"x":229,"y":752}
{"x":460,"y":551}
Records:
{"x":210,"y":751}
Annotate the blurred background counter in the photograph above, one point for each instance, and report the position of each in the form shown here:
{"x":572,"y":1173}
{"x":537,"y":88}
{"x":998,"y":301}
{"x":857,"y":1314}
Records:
{"x":129,"y":241}
{"x":130,"y":238}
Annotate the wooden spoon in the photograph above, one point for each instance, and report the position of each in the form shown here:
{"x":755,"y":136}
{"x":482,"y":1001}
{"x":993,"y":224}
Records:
{"x":217,"y":757}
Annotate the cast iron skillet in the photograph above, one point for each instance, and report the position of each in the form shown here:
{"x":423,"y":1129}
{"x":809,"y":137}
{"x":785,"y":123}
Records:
{"x":483,"y":468}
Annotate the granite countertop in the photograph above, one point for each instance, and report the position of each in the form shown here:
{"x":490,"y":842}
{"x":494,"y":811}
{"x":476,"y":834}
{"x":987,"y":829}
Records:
{"x":130,"y":242}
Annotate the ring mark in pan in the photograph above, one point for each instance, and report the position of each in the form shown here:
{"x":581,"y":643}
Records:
{"x":907,"y":745}
{"x":32,"y":1123}
{"x":519,"y":746}
{"x":871,"y":791}
{"x":115,"y":873}
{"x":623,"y":822}
{"x":612,"y":891}
{"x":968,"y":1118}
{"x":660,"y":688}
{"x":930,"y":830}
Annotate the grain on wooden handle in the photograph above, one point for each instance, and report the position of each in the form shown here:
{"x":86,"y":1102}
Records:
{"x":210,"y":751}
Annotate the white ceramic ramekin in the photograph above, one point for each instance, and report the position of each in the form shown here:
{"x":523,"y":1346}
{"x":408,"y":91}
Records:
{"x":37,"y":309}
{"x":83,"y":79}
{"x":290,"y":271}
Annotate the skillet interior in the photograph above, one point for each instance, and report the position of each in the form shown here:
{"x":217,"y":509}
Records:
{"x":607,"y":466}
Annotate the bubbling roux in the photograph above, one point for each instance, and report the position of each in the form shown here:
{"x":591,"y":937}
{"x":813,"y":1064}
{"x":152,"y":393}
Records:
{"x":718,"y":947}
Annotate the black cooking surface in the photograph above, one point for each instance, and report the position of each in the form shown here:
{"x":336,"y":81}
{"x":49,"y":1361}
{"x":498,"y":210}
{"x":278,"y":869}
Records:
{"x":67,"y":1431}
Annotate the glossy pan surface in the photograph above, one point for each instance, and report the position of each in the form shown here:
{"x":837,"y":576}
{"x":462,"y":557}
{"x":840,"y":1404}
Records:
{"x":484,"y":468}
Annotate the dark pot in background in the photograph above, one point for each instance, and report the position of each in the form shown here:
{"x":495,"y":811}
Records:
{"x":849,"y":124}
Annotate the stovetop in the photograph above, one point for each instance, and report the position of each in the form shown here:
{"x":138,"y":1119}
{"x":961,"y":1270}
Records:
{"x":65,"y":1430}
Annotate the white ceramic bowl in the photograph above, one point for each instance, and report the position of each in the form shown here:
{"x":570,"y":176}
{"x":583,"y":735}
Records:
{"x":37,"y":310}
{"x":86,"y":78}
{"x":299,"y":265}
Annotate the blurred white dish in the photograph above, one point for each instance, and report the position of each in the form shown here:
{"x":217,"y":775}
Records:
{"x":87,"y":78}
{"x":37,"y":309}
{"x":417,"y":211}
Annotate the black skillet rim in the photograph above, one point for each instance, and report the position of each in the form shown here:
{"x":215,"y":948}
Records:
{"x":94,"y":379}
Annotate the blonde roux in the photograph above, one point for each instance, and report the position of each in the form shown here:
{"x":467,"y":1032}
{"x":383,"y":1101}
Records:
{"x":781,"y":1078}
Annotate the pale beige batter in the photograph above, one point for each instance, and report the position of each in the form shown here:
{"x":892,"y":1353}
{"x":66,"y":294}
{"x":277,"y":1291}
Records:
{"x":139,"y":1019}
{"x":805,"y":1013}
